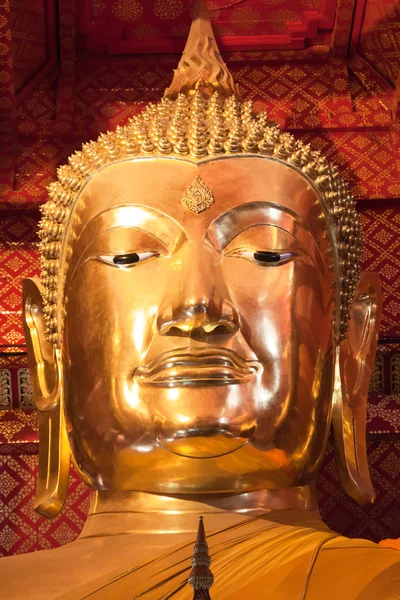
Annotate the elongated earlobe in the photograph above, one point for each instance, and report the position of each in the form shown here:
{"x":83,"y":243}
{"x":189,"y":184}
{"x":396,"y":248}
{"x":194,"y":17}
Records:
{"x":46,"y":376}
{"x":354,"y":362}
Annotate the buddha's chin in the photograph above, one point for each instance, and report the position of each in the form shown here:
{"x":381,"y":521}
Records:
{"x":203,"y":423}
{"x":204,"y":442}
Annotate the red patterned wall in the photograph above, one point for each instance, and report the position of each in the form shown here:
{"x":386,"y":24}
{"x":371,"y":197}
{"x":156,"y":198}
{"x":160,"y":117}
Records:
{"x":380,"y":37}
{"x":376,"y":521}
{"x":381,"y":254}
{"x":128,"y":26}
{"x":297,"y":65}
{"x":21,"y":528}
{"x":29,"y":41}
{"x":349,"y":119}
{"x":18,"y":259}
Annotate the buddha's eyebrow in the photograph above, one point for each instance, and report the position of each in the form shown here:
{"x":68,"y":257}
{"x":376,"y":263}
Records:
{"x":133,"y":216}
{"x":227,"y":226}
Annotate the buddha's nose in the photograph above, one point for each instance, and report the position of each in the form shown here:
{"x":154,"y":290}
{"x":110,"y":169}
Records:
{"x":197,"y":304}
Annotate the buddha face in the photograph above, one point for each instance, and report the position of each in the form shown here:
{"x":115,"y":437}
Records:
{"x":197,"y":348}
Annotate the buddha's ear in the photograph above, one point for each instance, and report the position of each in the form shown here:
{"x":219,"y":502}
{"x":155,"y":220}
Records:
{"x":355,"y":357}
{"x":44,"y":362}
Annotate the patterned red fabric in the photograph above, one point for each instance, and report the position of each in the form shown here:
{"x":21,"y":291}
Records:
{"x":342,"y":30}
{"x":381,"y":254}
{"x":66,"y":81}
{"x":376,"y":521}
{"x":383,"y":414}
{"x":136,"y":25}
{"x":18,"y":259}
{"x":344,"y":106}
{"x":29,"y":43}
{"x":7,"y":103}
{"x":380,"y":37}
{"x":21,"y":528}
{"x":319,"y":100}
{"x":18,"y":427}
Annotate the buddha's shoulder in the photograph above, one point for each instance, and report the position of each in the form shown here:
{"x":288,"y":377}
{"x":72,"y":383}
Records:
{"x":278,"y":563}
{"x":281,"y":569}
{"x":356,"y":568}
{"x":48,"y":574}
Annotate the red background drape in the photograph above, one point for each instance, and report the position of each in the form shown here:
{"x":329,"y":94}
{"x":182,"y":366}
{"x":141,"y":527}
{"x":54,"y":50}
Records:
{"x":327,"y":70}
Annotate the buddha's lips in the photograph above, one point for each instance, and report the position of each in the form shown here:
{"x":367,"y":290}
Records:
{"x":199,"y":367}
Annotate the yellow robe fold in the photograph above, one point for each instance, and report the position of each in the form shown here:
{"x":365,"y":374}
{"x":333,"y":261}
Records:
{"x":282,"y":556}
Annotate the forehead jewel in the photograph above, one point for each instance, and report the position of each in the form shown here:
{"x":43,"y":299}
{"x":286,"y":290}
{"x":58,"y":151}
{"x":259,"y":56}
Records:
{"x":197,"y":197}
{"x":201,"y":114}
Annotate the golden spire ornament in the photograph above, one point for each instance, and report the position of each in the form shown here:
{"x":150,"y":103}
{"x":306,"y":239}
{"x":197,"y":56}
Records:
{"x":201,"y":66}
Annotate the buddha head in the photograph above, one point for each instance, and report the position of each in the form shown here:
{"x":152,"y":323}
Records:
{"x":202,"y":319}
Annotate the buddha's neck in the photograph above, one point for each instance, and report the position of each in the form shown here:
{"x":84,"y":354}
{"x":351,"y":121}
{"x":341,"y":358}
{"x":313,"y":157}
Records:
{"x":116,"y":513}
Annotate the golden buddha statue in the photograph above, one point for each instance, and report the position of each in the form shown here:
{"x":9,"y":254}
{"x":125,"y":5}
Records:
{"x":200,"y":323}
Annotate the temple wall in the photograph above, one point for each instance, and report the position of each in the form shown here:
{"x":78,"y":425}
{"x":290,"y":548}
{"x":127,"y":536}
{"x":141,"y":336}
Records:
{"x":328,"y":76}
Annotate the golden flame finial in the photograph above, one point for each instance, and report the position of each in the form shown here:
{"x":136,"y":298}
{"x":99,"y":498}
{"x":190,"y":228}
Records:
{"x":201,"y":66}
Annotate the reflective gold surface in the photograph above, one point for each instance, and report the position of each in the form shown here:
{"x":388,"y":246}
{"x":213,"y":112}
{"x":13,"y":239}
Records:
{"x":354,"y":362}
{"x":200,"y":324}
{"x":205,"y":340}
{"x":46,"y":378}
{"x":140,"y":546}
{"x":201,"y":65}
{"x":196,"y":354}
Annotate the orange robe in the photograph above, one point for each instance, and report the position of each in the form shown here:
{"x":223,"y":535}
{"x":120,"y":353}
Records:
{"x":286,"y":555}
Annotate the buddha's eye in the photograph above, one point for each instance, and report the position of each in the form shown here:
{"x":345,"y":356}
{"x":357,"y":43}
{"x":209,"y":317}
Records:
{"x":273,"y":258}
{"x":127,"y":260}
{"x":263,"y":257}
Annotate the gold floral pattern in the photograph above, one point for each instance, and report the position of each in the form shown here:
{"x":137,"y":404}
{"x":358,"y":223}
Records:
{"x":380,"y":37}
{"x":145,"y":30}
{"x":98,"y":7}
{"x":214,"y":10}
{"x":168,"y":9}
{"x":281,"y":17}
{"x":246,"y":16}
{"x":127,"y":10}
{"x":311,"y":4}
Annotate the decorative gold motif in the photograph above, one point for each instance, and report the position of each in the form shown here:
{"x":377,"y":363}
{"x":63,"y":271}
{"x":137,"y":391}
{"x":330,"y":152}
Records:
{"x":395,"y":374}
{"x":168,"y":9}
{"x":246,"y":17}
{"x":377,"y":377}
{"x":5,"y":389}
{"x":201,"y":577}
{"x":197,"y":197}
{"x":22,"y":420}
{"x":25,"y":390}
{"x":201,"y":66}
{"x":127,"y":10}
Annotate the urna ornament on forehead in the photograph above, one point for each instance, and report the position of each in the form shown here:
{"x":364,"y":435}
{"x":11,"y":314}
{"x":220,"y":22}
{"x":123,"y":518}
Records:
{"x":201,"y":115}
